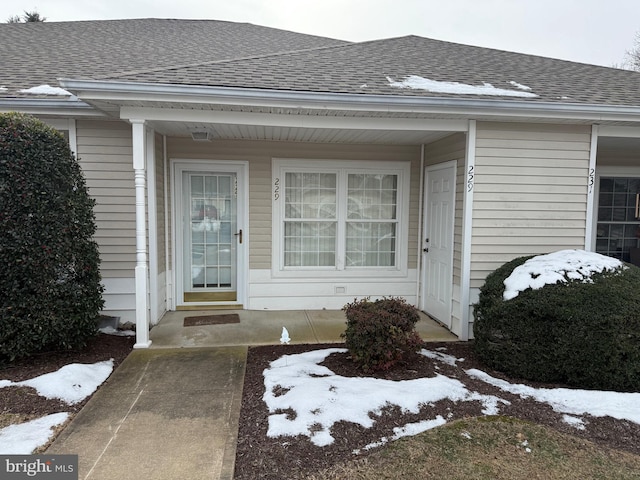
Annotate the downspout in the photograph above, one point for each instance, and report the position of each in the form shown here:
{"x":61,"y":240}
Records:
{"x":152,"y":219}
{"x":467,"y":223}
{"x":168,"y":274}
{"x":588,"y":239}
{"x":420,"y":207}
{"x":141,"y":269}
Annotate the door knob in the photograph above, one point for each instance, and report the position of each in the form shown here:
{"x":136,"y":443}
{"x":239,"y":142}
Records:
{"x":239,"y":235}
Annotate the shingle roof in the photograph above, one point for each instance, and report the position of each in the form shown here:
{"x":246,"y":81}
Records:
{"x":368,"y":67}
{"x":33,"y":54}
{"x":214,"y":53}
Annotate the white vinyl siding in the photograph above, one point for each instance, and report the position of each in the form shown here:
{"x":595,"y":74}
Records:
{"x":105,"y":154}
{"x":530,"y":193}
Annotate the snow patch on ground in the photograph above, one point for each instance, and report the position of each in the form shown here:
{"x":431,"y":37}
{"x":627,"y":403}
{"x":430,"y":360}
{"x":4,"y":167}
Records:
{"x":116,"y":332}
{"x":320,"y":398}
{"x":620,"y":405}
{"x":441,"y":357}
{"x":71,"y":383}
{"x":24,"y":438}
{"x":408,"y":430}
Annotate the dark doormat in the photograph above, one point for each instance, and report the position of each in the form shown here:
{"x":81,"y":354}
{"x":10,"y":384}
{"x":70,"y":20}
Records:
{"x":211,"y":320}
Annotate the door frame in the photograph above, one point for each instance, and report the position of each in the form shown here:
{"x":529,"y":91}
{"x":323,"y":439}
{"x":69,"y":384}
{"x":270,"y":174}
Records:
{"x":452,"y":166}
{"x":241,"y":169}
{"x":606,"y":171}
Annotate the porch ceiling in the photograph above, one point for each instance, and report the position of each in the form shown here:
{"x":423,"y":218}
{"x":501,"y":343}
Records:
{"x":224,"y":131}
{"x":619,"y":145}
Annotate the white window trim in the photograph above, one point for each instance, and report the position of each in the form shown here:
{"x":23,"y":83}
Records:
{"x":241,"y":168}
{"x":279,"y":169}
{"x":68,"y":124}
{"x":607,"y":171}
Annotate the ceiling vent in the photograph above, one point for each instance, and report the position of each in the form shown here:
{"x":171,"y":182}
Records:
{"x":201,"y":136}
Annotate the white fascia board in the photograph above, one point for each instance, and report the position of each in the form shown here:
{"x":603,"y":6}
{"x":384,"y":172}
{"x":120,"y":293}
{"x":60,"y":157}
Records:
{"x":72,"y":108}
{"x":207,"y":95}
{"x":611,"y":131}
{"x":293,"y":121}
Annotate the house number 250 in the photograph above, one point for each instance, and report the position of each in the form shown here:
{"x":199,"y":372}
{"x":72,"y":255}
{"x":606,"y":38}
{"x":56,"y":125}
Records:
{"x":276,"y":189}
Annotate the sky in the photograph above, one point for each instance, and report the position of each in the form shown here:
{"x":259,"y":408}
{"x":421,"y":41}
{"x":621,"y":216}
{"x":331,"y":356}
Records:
{"x":589,"y":31}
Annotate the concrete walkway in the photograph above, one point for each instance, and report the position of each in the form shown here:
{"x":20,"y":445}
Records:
{"x":171,"y":412}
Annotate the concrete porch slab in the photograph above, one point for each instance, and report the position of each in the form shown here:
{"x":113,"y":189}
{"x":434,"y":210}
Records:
{"x":265,"y":328}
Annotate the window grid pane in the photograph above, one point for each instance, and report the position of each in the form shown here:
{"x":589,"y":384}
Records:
{"x":372,"y":196}
{"x":371,"y":244}
{"x":310,"y":195}
{"x":309,"y":244}
{"x":618,"y":230}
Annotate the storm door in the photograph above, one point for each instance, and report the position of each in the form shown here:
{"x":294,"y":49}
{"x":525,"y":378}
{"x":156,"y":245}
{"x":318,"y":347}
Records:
{"x":210,"y":236}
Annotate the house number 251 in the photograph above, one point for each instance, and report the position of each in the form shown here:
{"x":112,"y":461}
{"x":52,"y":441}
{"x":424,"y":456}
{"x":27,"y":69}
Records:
{"x":276,"y":189}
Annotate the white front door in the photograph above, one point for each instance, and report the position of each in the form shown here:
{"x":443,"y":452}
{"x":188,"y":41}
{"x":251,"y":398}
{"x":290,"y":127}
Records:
{"x":437,"y":247}
{"x":209,"y":233}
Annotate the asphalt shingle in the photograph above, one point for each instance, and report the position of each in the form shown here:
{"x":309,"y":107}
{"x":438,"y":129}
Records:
{"x":365,"y":68}
{"x":34,"y":54}
{"x":214,"y":53}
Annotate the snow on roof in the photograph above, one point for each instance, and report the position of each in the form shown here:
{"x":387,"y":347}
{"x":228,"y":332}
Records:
{"x":520,"y":86}
{"x":557,"y":267}
{"x":45,"y":90}
{"x":3,"y":89}
{"x":420,"y":83}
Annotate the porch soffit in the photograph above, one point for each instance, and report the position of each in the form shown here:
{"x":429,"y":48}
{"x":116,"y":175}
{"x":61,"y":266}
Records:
{"x":306,"y":125}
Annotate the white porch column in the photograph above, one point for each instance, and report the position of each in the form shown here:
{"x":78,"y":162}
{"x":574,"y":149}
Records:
{"x":142,"y":268}
{"x":467,"y":238}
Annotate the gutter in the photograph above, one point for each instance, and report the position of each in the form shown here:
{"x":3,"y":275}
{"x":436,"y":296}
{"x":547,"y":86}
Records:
{"x":192,"y":94}
{"x":47,"y":106}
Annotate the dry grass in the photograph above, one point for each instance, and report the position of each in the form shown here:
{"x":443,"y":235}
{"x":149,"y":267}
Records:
{"x":7,"y":419}
{"x":489,"y":448}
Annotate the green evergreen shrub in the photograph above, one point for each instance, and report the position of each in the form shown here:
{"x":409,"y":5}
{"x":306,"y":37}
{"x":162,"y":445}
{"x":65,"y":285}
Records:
{"x":50,"y":291}
{"x":585,"y":334}
{"x":380,"y":334}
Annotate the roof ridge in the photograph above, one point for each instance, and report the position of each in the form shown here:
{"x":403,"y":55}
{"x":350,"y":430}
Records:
{"x":226,"y":60}
{"x":511,"y":52}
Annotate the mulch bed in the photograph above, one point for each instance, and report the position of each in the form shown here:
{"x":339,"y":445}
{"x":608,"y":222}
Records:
{"x":259,"y":456}
{"x":26,"y":401}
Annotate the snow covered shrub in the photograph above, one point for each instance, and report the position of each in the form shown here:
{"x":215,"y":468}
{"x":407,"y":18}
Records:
{"x":382,"y":333}
{"x":50,"y":292}
{"x":570,"y":317}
